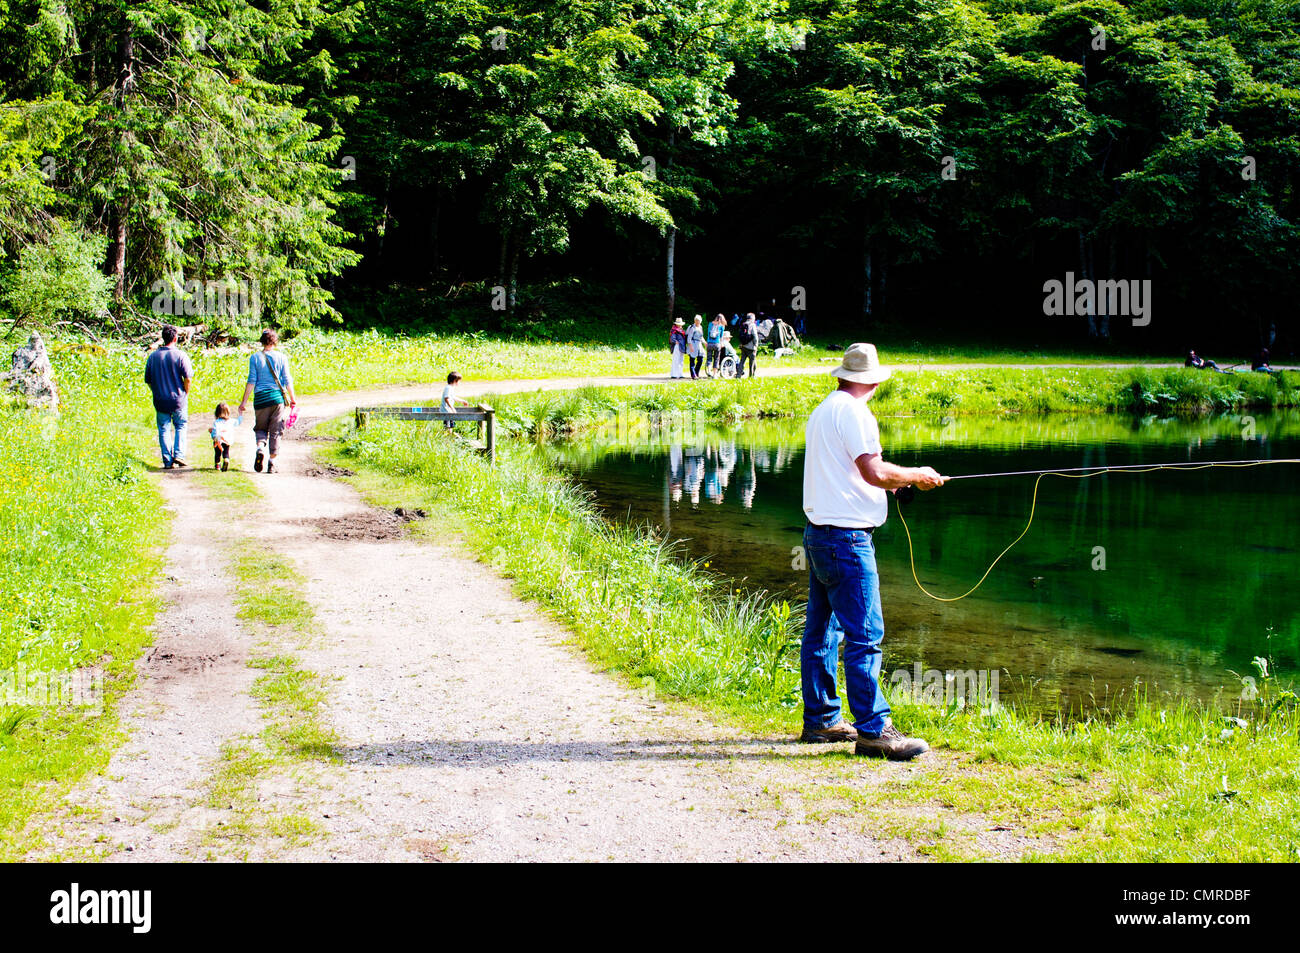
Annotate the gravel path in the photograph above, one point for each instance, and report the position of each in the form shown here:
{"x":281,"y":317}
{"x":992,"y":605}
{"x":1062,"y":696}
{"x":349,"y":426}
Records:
{"x":468,"y":729}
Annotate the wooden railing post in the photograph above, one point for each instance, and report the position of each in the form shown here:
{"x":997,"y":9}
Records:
{"x":482,"y":414}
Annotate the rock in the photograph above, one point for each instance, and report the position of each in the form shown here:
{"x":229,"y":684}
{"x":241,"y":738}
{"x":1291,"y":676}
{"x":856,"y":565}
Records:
{"x":32,"y":377}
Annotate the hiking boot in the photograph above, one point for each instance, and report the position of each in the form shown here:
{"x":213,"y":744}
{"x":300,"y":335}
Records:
{"x":891,"y":744}
{"x":225,"y":465}
{"x":840,"y":731}
{"x":257,"y":461}
{"x":270,"y":466}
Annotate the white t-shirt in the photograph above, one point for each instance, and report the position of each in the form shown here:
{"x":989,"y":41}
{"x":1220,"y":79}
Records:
{"x":839,"y":431}
{"x":449,"y":399}
{"x":224,"y":429}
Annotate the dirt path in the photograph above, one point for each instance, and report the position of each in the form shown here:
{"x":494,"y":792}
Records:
{"x":465,"y":728}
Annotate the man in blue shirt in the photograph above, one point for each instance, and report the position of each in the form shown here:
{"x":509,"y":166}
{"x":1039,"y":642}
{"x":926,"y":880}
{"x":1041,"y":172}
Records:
{"x":168,"y":374}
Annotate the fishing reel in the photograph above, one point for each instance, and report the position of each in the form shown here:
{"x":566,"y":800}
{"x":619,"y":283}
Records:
{"x":905,"y":494}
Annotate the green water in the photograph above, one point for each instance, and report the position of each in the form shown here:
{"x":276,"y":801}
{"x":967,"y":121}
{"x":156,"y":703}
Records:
{"x":1199,"y":567}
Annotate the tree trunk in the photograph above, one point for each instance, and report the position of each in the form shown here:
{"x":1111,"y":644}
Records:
{"x":1112,"y":269}
{"x":1085,"y":274}
{"x":502,"y":257}
{"x":867,"y":302}
{"x":383,"y":219}
{"x":512,"y":288}
{"x":671,"y":248}
{"x":117,"y":253}
{"x":118,"y":229}
{"x":433,"y":228}
{"x":672,"y":273}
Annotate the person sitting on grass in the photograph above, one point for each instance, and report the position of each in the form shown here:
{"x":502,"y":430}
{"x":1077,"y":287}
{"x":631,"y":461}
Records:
{"x":1195,"y":360}
{"x":223,"y":433}
{"x":1261,"y":363}
{"x":449,"y":399}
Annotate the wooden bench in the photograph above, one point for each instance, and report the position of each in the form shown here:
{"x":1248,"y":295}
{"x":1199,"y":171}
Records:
{"x":481,"y":414}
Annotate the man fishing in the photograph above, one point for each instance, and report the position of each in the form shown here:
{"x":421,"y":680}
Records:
{"x":844,"y":484}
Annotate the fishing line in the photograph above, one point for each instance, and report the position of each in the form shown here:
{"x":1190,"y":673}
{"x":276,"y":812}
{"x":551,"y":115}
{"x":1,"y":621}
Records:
{"x":1072,"y":473}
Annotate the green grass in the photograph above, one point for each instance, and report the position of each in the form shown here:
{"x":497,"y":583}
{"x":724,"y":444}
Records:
{"x":929,"y":394}
{"x":1140,"y":783}
{"x":81,"y":541}
{"x":231,"y":486}
{"x":82,"y":530}
{"x":269,"y":601}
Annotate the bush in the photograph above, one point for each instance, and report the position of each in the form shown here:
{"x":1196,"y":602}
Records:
{"x":59,"y":279}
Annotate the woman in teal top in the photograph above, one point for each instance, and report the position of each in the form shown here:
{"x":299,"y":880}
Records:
{"x":714,"y":342}
{"x":270,"y":384}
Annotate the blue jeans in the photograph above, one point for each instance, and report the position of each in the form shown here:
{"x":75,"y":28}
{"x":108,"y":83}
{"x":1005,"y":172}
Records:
{"x":176,"y":421}
{"x":843,"y":604}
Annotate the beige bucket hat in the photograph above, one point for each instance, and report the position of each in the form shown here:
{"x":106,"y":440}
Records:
{"x":862,"y":365}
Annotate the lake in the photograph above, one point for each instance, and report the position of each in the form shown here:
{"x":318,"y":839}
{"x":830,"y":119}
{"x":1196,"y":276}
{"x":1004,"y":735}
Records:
{"x":1172,"y":581}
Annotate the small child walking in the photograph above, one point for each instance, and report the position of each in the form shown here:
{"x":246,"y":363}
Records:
{"x":223,"y":432}
{"x":450,"y":400}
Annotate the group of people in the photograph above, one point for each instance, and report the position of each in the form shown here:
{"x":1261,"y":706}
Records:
{"x":1260,"y":363}
{"x":269,"y":386}
{"x":708,"y":352}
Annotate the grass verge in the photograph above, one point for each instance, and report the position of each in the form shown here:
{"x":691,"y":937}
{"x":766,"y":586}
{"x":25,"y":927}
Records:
{"x":989,"y":391}
{"x":81,"y":552}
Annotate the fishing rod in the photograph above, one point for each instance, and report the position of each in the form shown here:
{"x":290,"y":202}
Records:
{"x":1073,"y":473}
{"x":1104,"y":468}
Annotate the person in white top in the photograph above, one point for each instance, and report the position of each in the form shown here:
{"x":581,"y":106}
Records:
{"x":845,"y":482}
{"x":449,"y":399}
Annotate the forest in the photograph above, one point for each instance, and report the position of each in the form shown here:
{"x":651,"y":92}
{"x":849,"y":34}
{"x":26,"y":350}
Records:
{"x":922,"y":168}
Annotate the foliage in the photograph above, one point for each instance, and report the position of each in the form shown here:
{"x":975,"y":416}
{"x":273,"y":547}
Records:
{"x":883,"y":155}
{"x":59,"y":278}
